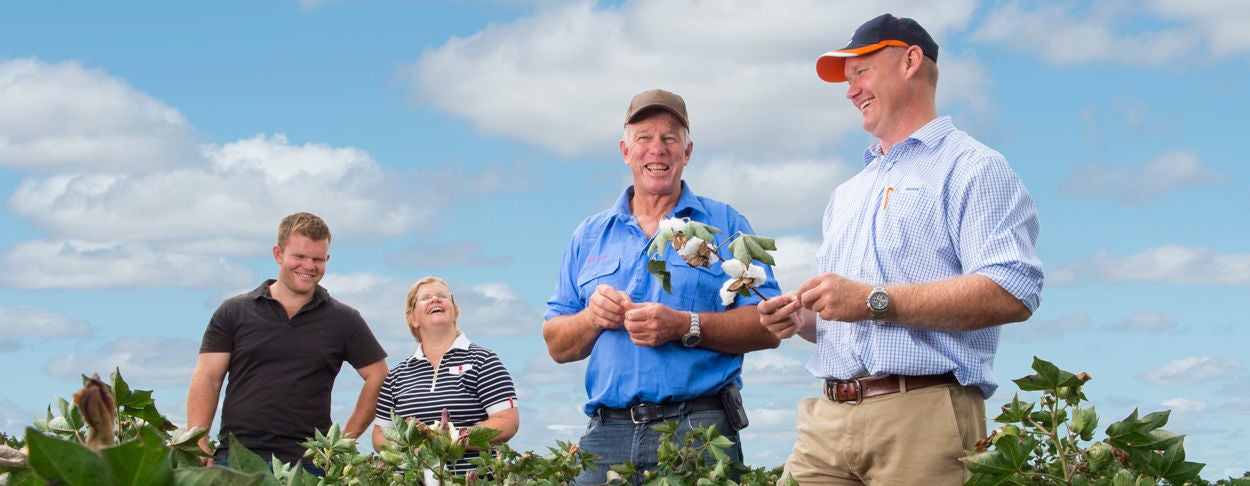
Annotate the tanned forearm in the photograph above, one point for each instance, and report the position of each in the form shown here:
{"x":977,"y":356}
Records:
{"x":570,"y":337}
{"x":963,"y":303}
{"x":735,"y":331}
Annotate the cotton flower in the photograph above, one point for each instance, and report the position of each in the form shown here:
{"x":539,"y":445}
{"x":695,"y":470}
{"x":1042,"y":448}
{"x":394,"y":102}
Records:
{"x":697,"y":252}
{"x":741,"y":276}
{"x":672,"y":224}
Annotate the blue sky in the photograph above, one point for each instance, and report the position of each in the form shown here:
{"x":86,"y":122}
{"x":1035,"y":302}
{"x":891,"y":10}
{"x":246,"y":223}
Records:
{"x":148,"y":150}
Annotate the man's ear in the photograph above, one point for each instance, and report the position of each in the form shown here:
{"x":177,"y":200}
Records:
{"x":277,"y":253}
{"x":912,"y":59}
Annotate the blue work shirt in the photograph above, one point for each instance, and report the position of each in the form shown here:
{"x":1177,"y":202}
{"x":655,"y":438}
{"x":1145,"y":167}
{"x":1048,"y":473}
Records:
{"x":611,"y":248}
{"x":938,"y":205}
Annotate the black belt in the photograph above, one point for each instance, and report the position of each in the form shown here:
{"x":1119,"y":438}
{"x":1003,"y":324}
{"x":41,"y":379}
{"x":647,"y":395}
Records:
{"x":650,"y":412}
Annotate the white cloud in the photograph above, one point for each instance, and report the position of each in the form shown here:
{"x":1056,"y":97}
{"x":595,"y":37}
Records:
{"x":145,"y":362}
{"x":1172,"y":264}
{"x":1184,"y":405}
{"x":1193,"y":370}
{"x":540,"y":369}
{"x":783,"y":367}
{"x":248,"y":186}
{"x":1147,"y":322}
{"x":14,"y":419}
{"x":1064,"y":35}
{"x":68,"y":117}
{"x":1222,"y":23}
{"x":495,"y":309}
{"x":796,"y":261}
{"x":1033,"y":330}
{"x":33,"y":322}
{"x":423,"y":254}
{"x":1132,"y":187}
{"x":562,"y":77}
{"x":773,"y":195}
{"x":88,"y":265}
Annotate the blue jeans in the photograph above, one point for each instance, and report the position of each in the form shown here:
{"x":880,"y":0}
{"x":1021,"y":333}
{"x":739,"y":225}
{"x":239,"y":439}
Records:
{"x":618,"y":441}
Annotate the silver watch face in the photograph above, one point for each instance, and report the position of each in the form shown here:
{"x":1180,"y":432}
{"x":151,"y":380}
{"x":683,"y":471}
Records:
{"x":690,"y":340}
{"x":878,"y":301}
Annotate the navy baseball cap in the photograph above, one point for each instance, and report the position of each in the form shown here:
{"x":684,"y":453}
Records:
{"x":875,"y":34}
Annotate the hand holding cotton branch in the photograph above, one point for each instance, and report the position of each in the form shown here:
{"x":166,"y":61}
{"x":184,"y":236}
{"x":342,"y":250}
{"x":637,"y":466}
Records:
{"x":695,"y":242}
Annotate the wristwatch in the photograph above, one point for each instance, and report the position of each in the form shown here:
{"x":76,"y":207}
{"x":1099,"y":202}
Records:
{"x":878,"y":303}
{"x":691,"y":339}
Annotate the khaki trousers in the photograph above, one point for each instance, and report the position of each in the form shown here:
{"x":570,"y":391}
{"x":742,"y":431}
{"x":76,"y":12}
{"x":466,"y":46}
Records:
{"x":907,"y":438}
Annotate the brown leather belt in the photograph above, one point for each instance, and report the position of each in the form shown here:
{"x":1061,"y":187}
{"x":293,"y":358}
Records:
{"x":856,"y":390}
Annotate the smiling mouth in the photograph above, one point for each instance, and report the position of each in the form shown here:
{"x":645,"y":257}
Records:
{"x":656,"y":168}
{"x":865,"y":104}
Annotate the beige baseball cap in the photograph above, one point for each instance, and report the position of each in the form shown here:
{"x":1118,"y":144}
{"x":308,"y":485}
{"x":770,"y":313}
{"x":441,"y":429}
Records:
{"x":657,"y":98}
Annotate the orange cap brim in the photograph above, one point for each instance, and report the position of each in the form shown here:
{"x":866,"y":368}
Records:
{"x":831,"y":66}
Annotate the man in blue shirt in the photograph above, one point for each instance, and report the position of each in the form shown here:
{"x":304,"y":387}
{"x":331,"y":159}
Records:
{"x":653,"y":355}
{"x":936,"y":235}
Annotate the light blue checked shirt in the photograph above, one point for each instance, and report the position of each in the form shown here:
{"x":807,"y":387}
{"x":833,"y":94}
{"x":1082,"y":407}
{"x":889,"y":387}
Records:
{"x":940,"y":204}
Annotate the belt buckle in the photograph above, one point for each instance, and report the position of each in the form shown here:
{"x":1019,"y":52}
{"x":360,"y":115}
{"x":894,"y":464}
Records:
{"x":859,"y":392}
{"x":633,"y":414}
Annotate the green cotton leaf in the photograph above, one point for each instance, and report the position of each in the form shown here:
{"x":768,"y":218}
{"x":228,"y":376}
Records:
{"x":243,"y":460}
{"x":1015,"y":412}
{"x":118,"y":387}
{"x":740,"y":251}
{"x":660,"y":270}
{"x":701,"y":231}
{"x":141,"y":461}
{"x":1002,"y":462}
{"x":216,"y":476}
{"x":63,"y":461}
{"x":1048,"y":377}
{"x":1132,"y":433}
{"x":764,"y":242}
{"x":757,"y":250}
{"x":1174,"y":467}
{"x":480,"y":436}
{"x":721,"y":442}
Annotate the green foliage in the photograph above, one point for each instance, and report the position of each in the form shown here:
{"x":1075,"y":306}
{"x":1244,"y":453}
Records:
{"x":1042,"y":442}
{"x":696,"y":458}
{"x":1039,"y":443}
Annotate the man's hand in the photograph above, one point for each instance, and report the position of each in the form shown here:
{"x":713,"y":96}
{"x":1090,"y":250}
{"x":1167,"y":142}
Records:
{"x":780,"y":315}
{"x":835,"y":298}
{"x":607,"y":307}
{"x":651,"y":324}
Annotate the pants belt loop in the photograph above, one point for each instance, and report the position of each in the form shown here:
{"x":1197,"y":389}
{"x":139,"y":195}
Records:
{"x":902,"y":383}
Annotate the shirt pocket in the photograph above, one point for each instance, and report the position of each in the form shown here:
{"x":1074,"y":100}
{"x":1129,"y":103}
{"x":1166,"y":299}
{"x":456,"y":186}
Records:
{"x":911,"y":223}
{"x":601,"y":271}
{"x":697,"y":288}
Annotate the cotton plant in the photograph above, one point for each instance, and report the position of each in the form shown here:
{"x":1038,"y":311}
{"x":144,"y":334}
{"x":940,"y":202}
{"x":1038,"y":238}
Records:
{"x":695,"y":242}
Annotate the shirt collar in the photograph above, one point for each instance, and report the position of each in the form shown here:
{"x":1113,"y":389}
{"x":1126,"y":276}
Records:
{"x":461,"y":342}
{"x":319,"y":294}
{"x":929,"y":135}
{"x":687,"y":205}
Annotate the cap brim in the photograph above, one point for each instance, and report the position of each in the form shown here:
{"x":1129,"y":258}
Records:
{"x":660,"y":106}
{"x":831,"y":66}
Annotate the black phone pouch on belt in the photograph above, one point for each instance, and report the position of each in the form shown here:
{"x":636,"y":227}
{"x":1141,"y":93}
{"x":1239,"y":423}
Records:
{"x":731,"y":399}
